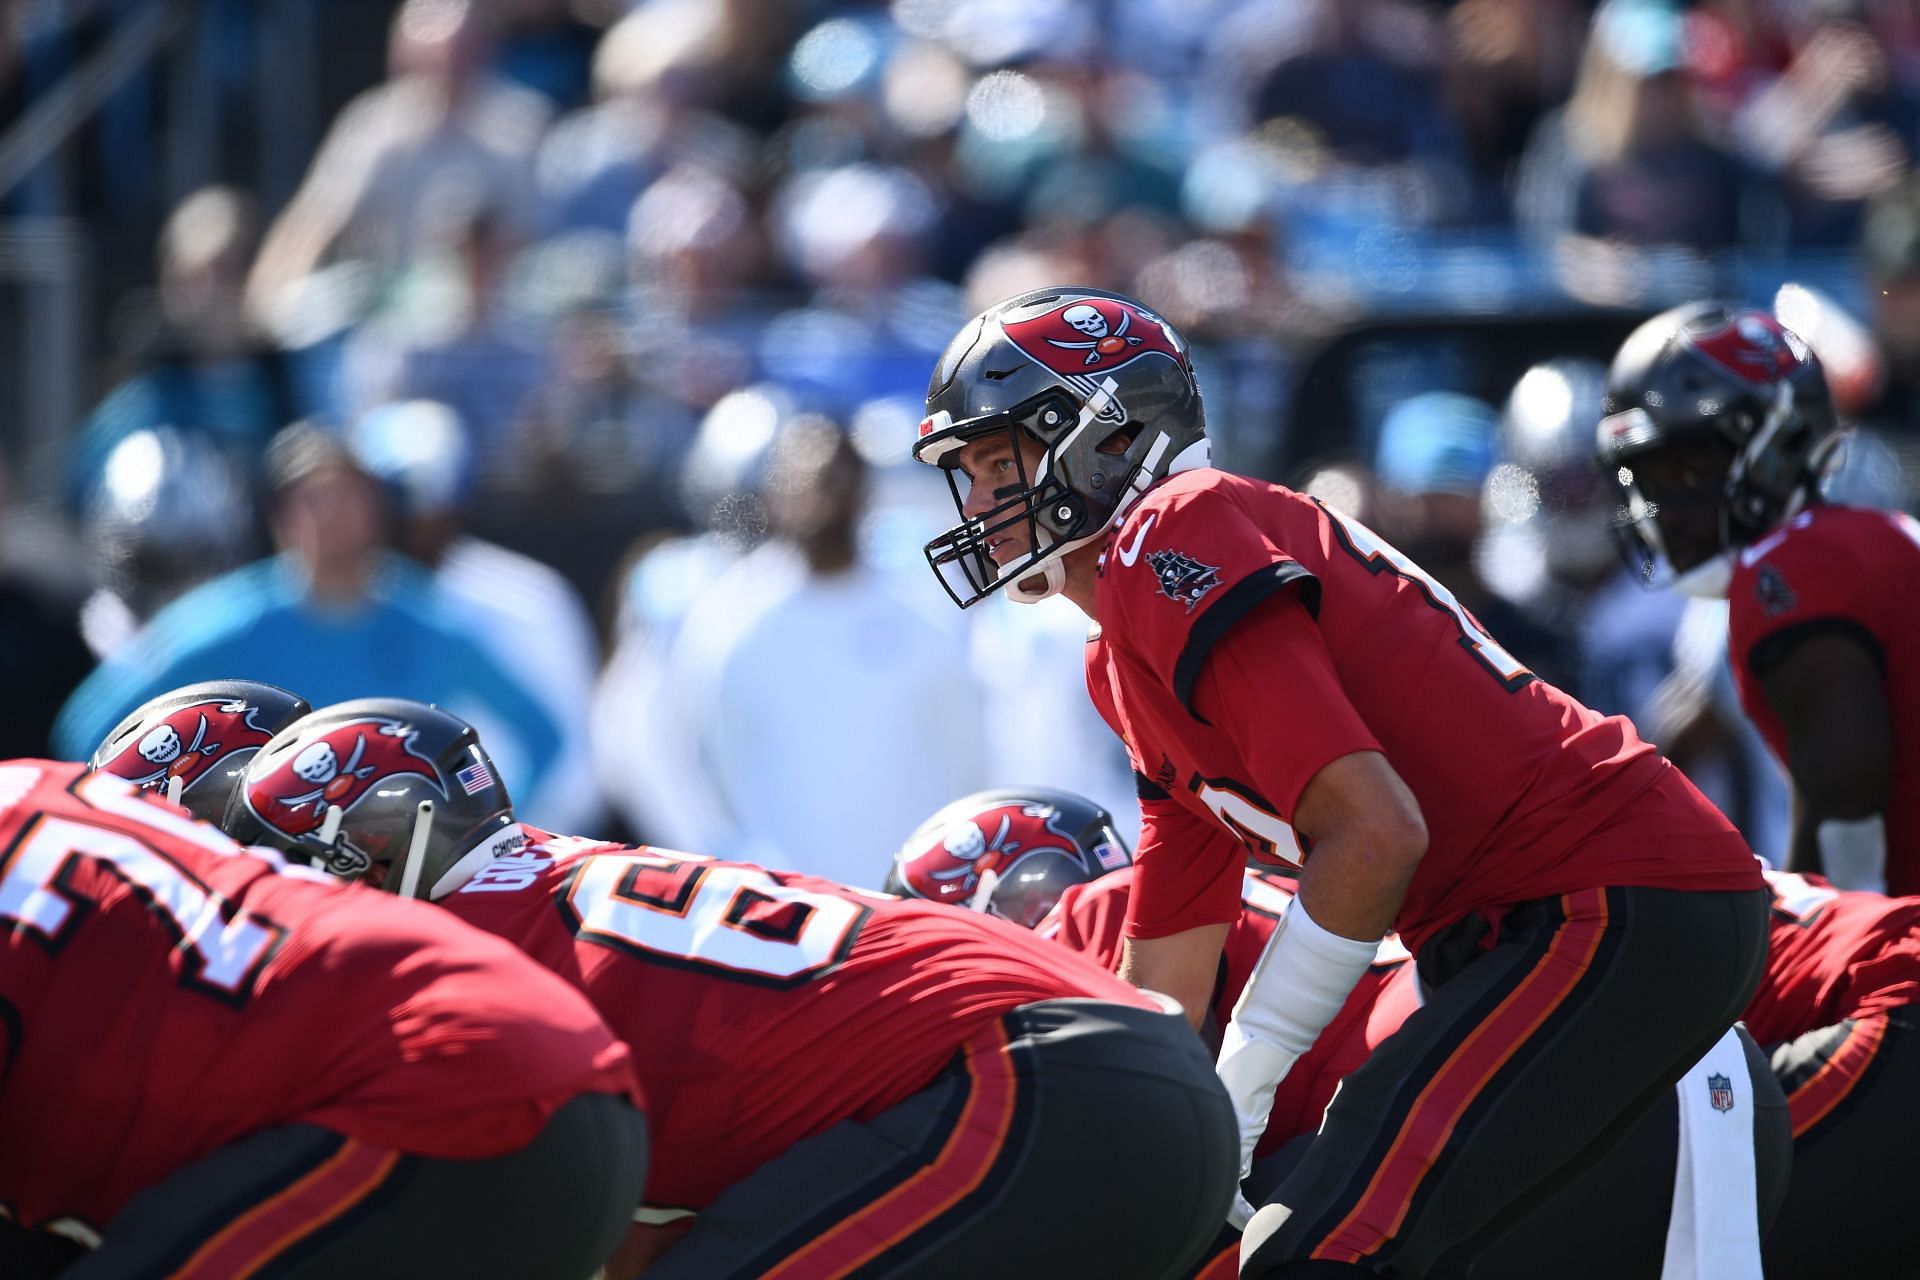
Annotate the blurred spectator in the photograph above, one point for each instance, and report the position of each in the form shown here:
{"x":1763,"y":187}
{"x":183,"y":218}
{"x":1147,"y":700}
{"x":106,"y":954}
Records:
{"x":1628,"y":163}
{"x":858,"y":235}
{"x":1812,"y":100}
{"x":1890,"y":258}
{"x":641,"y":745}
{"x":1351,"y":88}
{"x":1435,"y":452}
{"x":1029,"y":661}
{"x":334,"y":615}
{"x":168,"y":513}
{"x":199,"y":367}
{"x":655,"y":75}
{"x":1549,"y":547}
{"x":522,"y":614}
{"x":547,"y":45}
{"x":693,"y":251}
{"x":42,"y":657}
{"x":805,"y":677}
{"x":1509,"y":62}
{"x":442,"y":127}
{"x":449,"y":338}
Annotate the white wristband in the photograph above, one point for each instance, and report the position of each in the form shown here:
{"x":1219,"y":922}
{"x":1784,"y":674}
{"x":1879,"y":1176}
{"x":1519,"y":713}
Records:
{"x":1303,"y":978}
{"x":1854,"y":854}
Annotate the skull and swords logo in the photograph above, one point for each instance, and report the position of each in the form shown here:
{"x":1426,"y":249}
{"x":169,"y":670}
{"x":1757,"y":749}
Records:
{"x":1104,"y":339}
{"x":163,"y":752}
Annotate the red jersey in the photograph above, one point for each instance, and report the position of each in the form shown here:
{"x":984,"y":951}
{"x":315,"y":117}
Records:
{"x":1832,"y":956}
{"x":163,"y":994}
{"x":762,"y":1006}
{"x":1525,"y":792}
{"x":1089,"y":919}
{"x":1839,"y":569}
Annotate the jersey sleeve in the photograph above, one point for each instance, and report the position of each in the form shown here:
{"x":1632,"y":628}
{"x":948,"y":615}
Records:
{"x":1184,"y":571}
{"x":1270,"y":686}
{"x":1090,"y":919}
{"x":1186,"y":871}
{"x":1820,"y":577}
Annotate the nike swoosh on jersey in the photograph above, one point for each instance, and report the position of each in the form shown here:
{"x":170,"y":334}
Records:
{"x":1130,"y":554}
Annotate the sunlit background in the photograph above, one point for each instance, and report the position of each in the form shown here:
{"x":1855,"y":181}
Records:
{"x":607,"y":328}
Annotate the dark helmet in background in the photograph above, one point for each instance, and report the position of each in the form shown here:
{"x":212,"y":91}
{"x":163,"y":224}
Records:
{"x":1103,"y":384}
{"x":344,"y":788}
{"x":1715,"y":426}
{"x":1010,"y":852}
{"x":193,"y":744}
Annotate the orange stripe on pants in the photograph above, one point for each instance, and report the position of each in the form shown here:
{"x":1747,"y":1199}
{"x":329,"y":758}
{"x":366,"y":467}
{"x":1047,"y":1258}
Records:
{"x":1430,"y":1123}
{"x":1224,"y":1265}
{"x":969,"y":1152}
{"x":260,"y":1234}
{"x":1813,"y":1101}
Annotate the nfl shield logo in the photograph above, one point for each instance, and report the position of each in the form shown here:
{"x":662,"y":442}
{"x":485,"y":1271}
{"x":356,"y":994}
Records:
{"x":1720,"y":1093}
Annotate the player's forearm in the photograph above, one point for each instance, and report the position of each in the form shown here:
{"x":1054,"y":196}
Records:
{"x":1355,"y":879}
{"x":1184,"y":966}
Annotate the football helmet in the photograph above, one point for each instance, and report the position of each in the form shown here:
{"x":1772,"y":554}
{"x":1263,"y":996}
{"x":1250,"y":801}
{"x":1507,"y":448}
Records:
{"x":1548,"y":484}
{"x":1103,"y":385}
{"x":1009,"y":852}
{"x":193,"y":744}
{"x":347,"y":789}
{"x":1714,"y":427}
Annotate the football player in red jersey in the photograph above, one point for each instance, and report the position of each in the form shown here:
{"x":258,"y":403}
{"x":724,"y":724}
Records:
{"x":1840,"y":1016}
{"x":208,"y":1069}
{"x":1067,"y":871}
{"x":1286,"y":682}
{"x":1718,"y":426}
{"x":841,"y":1083}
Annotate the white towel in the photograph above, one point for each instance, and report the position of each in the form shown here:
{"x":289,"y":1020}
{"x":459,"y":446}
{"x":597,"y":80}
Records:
{"x":1715,"y":1230}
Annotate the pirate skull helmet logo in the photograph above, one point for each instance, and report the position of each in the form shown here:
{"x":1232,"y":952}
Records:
{"x":161,"y":746}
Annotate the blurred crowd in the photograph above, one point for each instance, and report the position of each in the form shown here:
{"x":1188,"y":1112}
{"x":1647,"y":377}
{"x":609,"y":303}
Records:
{"x":572,"y":389}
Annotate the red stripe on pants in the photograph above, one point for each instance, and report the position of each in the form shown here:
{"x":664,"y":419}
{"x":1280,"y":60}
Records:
{"x":1430,"y":1123}
{"x":263,"y":1232}
{"x":969,"y":1153}
{"x":1811,"y":1102}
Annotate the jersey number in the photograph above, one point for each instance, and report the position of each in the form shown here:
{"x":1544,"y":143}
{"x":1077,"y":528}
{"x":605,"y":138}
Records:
{"x":1377,"y":554}
{"x":223,"y":948}
{"x":1796,"y":900}
{"x":1261,"y":832}
{"x":731,"y":920}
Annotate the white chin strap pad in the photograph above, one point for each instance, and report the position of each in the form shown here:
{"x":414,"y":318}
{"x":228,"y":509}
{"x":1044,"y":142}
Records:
{"x":1048,"y":577}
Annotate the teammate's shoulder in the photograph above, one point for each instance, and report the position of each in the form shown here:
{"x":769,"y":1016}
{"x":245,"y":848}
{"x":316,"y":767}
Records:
{"x":1822,"y":530}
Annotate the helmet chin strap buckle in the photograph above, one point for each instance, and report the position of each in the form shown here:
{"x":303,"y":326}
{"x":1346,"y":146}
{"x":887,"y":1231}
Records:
{"x":411,"y":869}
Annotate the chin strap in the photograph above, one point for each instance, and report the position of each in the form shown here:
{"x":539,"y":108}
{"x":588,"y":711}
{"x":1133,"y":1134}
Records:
{"x":176,"y":787}
{"x":416,"y":850}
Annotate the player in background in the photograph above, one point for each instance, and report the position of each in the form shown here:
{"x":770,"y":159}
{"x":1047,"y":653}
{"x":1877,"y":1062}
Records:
{"x":1293,"y":688}
{"x":1718,"y":424}
{"x":1052,"y":859}
{"x":841,"y":1082}
{"x":210,"y":1069}
{"x":191,"y":745}
{"x":1839,"y":1015}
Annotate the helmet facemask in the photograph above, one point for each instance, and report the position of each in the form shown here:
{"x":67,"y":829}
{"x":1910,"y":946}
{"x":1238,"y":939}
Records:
{"x":1048,"y":504}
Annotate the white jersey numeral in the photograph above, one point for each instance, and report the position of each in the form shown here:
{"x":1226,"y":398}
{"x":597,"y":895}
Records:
{"x":1798,"y":899}
{"x":1375,"y":552}
{"x":225,"y":947}
{"x":736,"y":920}
{"x":1264,"y":834}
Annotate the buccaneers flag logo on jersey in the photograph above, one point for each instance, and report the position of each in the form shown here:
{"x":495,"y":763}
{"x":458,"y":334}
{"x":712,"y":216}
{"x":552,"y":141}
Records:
{"x":334,"y":768}
{"x":188,"y":741}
